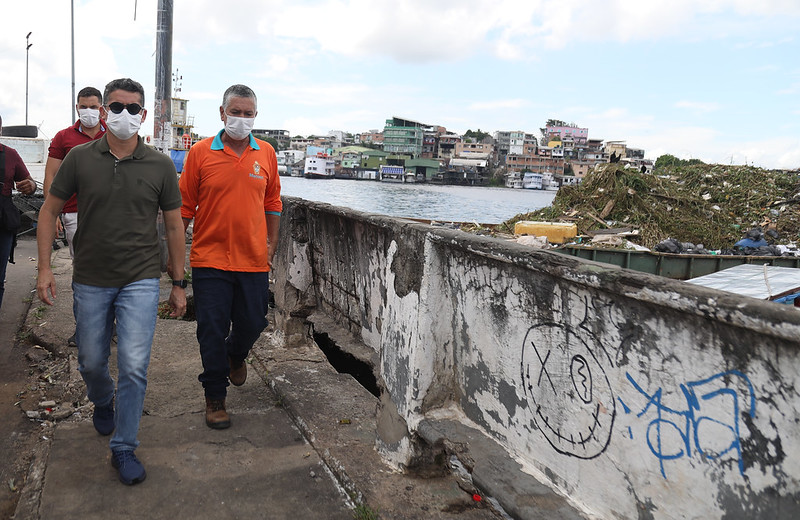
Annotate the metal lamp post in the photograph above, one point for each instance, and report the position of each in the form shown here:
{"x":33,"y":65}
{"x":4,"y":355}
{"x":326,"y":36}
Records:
{"x":27,"y":49}
{"x":72,"y":44}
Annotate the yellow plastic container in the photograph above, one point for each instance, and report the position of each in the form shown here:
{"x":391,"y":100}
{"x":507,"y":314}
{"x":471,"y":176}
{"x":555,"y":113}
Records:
{"x":556,"y":232}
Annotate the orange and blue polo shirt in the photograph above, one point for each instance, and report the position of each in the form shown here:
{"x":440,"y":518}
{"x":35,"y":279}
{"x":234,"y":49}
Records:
{"x":228,"y":197}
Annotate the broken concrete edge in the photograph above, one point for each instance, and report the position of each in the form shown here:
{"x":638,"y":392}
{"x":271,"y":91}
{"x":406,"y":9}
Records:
{"x":477,"y":461}
{"x":30,"y":496}
{"x":344,"y":339}
{"x":494,"y":473}
{"x":333,"y":466}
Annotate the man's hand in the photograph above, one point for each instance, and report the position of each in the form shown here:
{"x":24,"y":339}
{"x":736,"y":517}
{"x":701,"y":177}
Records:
{"x":177,"y":302}
{"x":46,"y":287}
{"x":26,"y":186}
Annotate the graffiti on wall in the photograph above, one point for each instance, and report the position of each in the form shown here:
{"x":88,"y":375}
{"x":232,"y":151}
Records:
{"x":573,"y":404}
{"x":562,"y":373}
{"x":706,"y":426}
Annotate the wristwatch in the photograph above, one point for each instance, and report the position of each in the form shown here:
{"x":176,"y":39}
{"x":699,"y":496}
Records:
{"x":180,"y":283}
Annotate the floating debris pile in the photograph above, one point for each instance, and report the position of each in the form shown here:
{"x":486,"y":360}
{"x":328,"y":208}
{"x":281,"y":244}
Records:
{"x":709,"y":205}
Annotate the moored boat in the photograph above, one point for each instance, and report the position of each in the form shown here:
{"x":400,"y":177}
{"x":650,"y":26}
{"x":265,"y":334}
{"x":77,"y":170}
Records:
{"x":532,"y":181}
{"x":391,"y":173}
{"x":513,"y":180}
{"x":319,"y":166}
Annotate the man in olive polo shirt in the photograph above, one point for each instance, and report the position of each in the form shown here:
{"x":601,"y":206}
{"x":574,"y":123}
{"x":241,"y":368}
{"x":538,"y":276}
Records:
{"x":120,"y":184}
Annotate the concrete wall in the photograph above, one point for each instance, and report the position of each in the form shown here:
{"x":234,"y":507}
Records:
{"x":635,"y":395}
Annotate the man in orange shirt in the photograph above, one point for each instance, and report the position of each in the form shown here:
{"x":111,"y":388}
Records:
{"x":230,"y":187}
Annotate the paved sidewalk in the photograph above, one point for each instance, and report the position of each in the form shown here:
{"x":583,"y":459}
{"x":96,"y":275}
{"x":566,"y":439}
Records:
{"x":301,"y":444}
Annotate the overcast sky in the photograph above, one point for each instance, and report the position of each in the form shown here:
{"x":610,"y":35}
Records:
{"x":717,"y":80}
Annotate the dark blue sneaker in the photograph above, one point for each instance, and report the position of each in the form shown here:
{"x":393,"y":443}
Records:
{"x":130,"y":469}
{"x":103,"y":418}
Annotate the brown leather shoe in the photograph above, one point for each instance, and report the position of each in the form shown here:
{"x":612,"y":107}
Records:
{"x":216,"y":416}
{"x":238,"y":374}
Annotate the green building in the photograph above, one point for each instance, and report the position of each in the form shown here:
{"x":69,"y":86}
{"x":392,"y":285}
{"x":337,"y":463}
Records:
{"x":403,"y":136}
{"x":423,"y":168}
{"x":372,"y":159}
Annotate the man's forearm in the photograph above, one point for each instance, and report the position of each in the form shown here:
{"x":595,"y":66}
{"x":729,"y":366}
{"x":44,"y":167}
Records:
{"x":46,"y":233}
{"x":176,"y":242}
{"x":50,"y":170}
{"x":273,"y":232}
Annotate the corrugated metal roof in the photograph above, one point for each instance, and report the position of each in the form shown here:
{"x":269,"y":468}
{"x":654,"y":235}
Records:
{"x":765,"y":282}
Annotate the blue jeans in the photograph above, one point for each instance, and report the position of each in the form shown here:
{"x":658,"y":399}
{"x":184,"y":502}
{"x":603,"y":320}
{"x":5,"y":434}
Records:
{"x":6,"y":239}
{"x":231,"y":310}
{"x":134,"y":307}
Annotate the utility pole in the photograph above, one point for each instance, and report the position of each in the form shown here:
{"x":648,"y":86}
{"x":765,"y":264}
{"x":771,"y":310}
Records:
{"x":27,"y":49}
{"x":163,"y":95}
{"x":72,"y":35}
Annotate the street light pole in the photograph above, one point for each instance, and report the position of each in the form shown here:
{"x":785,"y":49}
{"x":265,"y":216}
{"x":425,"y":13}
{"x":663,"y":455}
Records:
{"x":27,"y":48}
{"x":72,"y":36}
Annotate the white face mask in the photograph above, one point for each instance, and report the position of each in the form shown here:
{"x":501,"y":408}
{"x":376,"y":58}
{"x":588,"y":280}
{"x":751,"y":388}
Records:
{"x":123,"y":125}
{"x":89,"y":117}
{"x":239,"y":128}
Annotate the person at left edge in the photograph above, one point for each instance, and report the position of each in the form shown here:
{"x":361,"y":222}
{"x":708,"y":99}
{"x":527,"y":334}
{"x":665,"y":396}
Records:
{"x":120,"y":183}
{"x":12,"y":172}
{"x":87,"y":128}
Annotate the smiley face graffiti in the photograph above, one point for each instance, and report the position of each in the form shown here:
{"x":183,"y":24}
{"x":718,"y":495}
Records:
{"x":573,"y":404}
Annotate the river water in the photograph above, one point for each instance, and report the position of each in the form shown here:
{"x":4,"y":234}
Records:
{"x":424,"y":201}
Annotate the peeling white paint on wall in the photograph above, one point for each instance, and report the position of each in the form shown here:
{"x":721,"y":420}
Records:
{"x":637,"y":396}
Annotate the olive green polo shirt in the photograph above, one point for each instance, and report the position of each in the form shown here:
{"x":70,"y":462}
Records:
{"x":116,"y":242}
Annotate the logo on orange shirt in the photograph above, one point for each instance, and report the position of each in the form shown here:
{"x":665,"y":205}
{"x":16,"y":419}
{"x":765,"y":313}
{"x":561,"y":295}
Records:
{"x":256,"y":167}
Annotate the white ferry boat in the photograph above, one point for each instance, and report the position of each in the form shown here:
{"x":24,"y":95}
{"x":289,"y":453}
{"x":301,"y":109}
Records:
{"x":532,"y":181}
{"x":513,"y":180}
{"x":319,"y":166}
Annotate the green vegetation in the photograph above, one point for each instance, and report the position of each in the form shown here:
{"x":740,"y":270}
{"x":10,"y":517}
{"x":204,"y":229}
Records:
{"x":271,"y":140}
{"x":476,"y":135}
{"x":364,"y":512}
{"x":39,"y":312}
{"x":670,"y":161}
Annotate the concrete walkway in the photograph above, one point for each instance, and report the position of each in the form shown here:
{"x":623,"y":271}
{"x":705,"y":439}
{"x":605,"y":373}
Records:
{"x":301,"y":444}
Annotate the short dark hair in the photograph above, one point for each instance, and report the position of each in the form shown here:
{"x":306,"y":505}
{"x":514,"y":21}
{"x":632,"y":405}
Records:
{"x":241,"y":91}
{"x":89,"y":92}
{"x":126,"y":84}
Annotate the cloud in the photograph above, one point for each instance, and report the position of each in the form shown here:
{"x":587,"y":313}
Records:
{"x":420,"y":31}
{"x":713,"y":147}
{"x":100,"y":55}
{"x":698,"y":106}
{"x":792,"y":89}
{"x":764,"y":44}
{"x":499,"y":104}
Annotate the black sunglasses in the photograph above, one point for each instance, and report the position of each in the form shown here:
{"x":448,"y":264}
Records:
{"x":132,"y":108}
